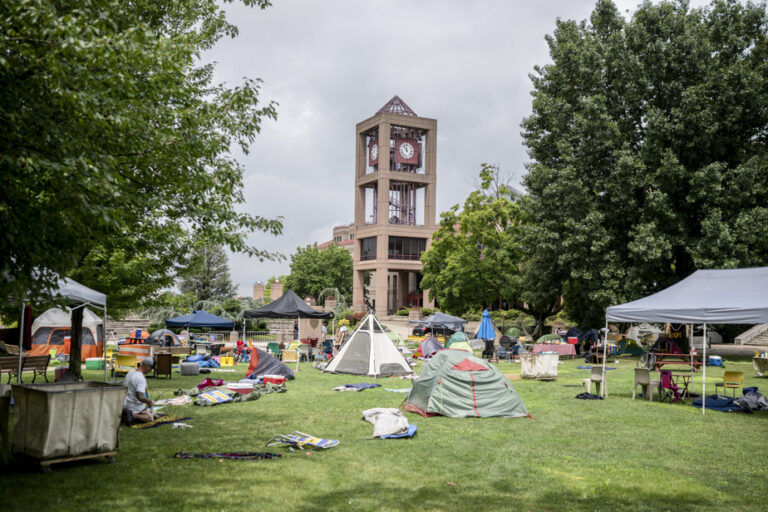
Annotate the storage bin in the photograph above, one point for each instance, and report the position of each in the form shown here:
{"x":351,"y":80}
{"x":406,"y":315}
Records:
{"x":94,"y":363}
{"x":66,"y":419}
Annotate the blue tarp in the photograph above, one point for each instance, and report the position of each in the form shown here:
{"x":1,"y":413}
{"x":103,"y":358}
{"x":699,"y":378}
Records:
{"x":718,"y":403}
{"x":200,"y":319}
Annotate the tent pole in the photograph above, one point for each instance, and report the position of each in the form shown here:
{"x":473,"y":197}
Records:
{"x":21,"y":343}
{"x":704,"y":373}
{"x":104,"y":341}
{"x":605,"y":355}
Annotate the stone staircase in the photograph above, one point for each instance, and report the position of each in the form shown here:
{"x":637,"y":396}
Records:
{"x":758,"y":335}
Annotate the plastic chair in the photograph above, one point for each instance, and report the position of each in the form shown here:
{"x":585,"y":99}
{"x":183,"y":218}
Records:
{"x":305,"y":351}
{"x":668,"y":389}
{"x":597,"y":377}
{"x":124,"y":363}
{"x":647,"y":386}
{"x":731,"y":380}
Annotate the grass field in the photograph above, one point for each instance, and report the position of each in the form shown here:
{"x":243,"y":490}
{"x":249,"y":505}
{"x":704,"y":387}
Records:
{"x":616,"y":454}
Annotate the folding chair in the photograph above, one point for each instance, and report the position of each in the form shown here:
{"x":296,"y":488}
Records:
{"x":290,"y":356}
{"x":300,"y":440}
{"x":668,"y":389}
{"x":731,"y":380}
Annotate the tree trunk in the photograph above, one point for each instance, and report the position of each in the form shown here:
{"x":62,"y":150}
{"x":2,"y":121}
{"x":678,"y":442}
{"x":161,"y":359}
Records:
{"x":75,"y":342}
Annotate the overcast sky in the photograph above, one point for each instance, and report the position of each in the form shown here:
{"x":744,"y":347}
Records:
{"x":333,"y":63}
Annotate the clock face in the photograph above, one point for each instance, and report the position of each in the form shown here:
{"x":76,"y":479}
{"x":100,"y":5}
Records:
{"x":406,"y":150}
{"x":375,"y":152}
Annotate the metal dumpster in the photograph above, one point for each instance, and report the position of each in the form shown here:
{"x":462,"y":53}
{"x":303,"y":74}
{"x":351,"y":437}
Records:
{"x":65,"y":421}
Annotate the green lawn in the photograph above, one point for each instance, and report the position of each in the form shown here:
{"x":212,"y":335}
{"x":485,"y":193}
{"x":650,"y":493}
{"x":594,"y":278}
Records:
{"x":616,"y":454}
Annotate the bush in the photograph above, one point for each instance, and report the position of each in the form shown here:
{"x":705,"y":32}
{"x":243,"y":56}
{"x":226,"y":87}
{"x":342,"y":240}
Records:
{"x":427,"y":311}
{"x":402,"y":312}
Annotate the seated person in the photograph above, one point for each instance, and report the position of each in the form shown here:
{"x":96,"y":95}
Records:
{"x":136,"y":407}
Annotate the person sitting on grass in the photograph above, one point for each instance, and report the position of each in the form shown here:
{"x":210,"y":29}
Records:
{"x":136,"y":407}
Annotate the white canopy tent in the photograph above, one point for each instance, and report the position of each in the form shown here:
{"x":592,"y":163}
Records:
{"x":76,"y":296}
{"x":725,"y":296}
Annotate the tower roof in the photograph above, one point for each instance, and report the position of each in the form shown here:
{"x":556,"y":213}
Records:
{"x":397,"y":106}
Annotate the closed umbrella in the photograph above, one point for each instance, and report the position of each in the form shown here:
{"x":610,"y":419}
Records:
{"x":486,"y":330}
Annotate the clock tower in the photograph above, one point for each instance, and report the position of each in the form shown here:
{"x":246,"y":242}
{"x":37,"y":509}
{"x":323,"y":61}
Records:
{"x":395,"y":181}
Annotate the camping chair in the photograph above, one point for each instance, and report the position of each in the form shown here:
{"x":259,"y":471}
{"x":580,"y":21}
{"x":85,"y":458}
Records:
{"x":731,"y":380}
{"x":489,"y":353}
{"x":290,"y":356}
{"x":274,"y":348}
{"x":300,"y":440}
{"x":597,"y":377}
{"x":647,"y":386}
{"x":124,"y":363}
{"x":668,"y":389}
{"x":305,"y":351}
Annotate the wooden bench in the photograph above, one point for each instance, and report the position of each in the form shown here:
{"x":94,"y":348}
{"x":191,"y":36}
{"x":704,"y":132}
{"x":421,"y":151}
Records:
{"x":36,"y":364}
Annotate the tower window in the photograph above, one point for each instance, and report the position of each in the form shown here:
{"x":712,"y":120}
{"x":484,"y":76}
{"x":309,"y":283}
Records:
{"x":404,"y":248}
{"x":368,"y":248}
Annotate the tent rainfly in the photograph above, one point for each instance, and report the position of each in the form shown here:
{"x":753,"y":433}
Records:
{"x":724,"y":296}
{"x":369,"y":351}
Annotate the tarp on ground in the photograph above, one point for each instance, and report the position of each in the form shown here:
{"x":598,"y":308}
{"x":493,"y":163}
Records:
{"x":725,"y":296}
{"x":289,"y":305}
{"x":460,"y":385}
{"x":369,"y":351}
{"x":200,"y":319}
{"x":268,"y":365}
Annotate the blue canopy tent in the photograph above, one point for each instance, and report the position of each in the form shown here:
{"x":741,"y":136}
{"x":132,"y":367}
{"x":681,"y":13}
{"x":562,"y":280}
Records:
{"x":200,"y":319}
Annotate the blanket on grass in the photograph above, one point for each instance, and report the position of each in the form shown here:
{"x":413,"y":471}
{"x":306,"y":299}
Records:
{"x":162,"y":420}
{"x":228,"y":455}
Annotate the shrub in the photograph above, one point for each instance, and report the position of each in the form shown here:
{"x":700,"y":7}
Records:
{"x":402,"y":312}
{"x":427,"y":311}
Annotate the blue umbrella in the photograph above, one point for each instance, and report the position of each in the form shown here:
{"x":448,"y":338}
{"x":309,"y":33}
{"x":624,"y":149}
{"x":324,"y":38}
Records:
{"x":486,"y":330}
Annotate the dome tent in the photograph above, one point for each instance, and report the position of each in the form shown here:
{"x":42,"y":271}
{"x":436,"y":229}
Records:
{"x":460,"y":385}
{"x":369,"y":351}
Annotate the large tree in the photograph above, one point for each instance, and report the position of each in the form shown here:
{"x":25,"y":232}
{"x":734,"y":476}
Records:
{"x":476,"y":256}
{"x":207,"y":275}
{"x":115,"y":147}
{"x":313,"y":270}
{"x":648,"y":139}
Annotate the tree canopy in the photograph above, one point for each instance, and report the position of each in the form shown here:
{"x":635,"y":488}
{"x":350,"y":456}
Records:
{"x":476,"y":256}
{"x":207,"y":275}
{"x":115,"y":148}
{"x":313,"y":270}
{"x":648,"y":144}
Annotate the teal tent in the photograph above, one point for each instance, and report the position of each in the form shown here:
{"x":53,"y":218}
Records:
{"x":458,"y":336}
{"x":460,"y":385}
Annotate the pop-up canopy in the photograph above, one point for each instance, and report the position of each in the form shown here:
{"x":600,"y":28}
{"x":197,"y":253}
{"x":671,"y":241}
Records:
{"x":200,"y":319}
{"x":724,"y":296}
{"x":289,"y":305}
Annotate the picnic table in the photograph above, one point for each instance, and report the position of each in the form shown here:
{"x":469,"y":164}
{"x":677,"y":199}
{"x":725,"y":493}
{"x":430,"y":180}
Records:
{"x":562,"y":349}
{"x":665,"y":358}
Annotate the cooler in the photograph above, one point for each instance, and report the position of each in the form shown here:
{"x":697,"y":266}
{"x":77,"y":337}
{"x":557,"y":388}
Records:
{"x":94,"y":363}
{"x":273,"y":379}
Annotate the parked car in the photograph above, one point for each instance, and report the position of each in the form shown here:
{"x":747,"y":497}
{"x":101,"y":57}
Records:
{"x":426,"y":330}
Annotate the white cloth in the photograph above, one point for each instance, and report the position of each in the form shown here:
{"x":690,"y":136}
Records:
{"x":386,"y":421}
{"x":136,"y":383}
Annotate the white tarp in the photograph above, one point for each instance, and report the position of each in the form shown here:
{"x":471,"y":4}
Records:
{"x":728,"y":296}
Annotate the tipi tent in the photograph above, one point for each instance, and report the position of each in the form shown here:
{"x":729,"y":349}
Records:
{"x":369,"y":351}
{"x":265,"y":364}
{"x":460,"y":385}
{"x":50,"y":329}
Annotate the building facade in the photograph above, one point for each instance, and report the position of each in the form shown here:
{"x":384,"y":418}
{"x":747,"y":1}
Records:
{"x":395,"y":214}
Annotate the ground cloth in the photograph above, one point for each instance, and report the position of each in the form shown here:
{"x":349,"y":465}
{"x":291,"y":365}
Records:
{"x":356,"y":387}
{"x":228,"y":455}
{"x":386,"y":421}
{"x":589,"y":367}
{"x":588,"y":396}
{"x":162,"y":420}
{"x":407,"y":434}
{"x":748,"y":402}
